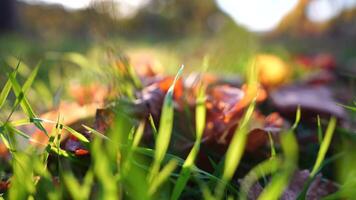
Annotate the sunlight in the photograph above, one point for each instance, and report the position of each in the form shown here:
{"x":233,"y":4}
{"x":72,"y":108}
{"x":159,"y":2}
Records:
{"x":70,"y":4}
{"x":257,"y":15}
{"x":323,"y":10}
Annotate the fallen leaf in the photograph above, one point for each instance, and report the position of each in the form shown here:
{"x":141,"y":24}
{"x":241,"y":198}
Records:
{"x":313,"y":100}
{"x":318,"y":189}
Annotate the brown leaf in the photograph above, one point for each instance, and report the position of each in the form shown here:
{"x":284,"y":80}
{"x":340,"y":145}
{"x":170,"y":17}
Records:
{"x":313,"y":100}
{"x":87,"y":94}
{"x":319,"y":187}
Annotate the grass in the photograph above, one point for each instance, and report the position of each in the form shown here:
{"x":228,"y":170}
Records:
{"x":120,"y":168}
{"x":165,"y":129}
{"x":200,"y":120}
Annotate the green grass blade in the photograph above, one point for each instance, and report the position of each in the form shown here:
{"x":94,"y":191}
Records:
{"x":165,"y":128}
{"x":320,"y":131}
{"x":324,"y":145}
{"x":352,"y":108}
{"x":7,"y":88}
{"x":77,"y":191}
{"x":23,"y":71}
{"x":97,"y":133}
{"x":73,"y":186}
{"x":235,"y":150}
{"x":273,"y":149}
{"x":297,"y":118}
{"x":152,"y":123}
{"x":30,"y":79}
{"x":4,"y":93}
{"x":200,"y":117}
{"x":237,"y":146}
{"x":138,"y":135}
{"x":20,"y":122}
{"x":78,"y":135}
{"x":200,"y":114}
{"x":5,"y":141}
{"x":24,"y":135}
{"x":22,"y":100}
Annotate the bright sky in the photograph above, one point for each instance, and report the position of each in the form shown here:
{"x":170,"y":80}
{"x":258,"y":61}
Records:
{"x":255,"y":15}
{"x":320,"y":10}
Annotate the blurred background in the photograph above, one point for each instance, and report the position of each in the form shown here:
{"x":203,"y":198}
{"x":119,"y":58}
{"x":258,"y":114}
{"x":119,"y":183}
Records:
{"x":168,"y":33}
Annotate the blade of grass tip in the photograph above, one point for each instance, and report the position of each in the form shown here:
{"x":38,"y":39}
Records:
{"x":235,"y":151}
{"x":165,"y":128}
{"x":154,"y":129}
{"x":281,"y":179}
{"x":97,"y":133}
{"x":200,"y":115}
{"x":7,"y":88}
{"x":297,"y":118}
{"x":324,"y":145}
{"x":162,"y":176}
{"x":320,"y":131}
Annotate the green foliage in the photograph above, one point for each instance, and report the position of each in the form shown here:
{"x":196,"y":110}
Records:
{"x":280,"y":180}
{"x":120,"y":168}
{"x":165,"y":128}
{"x":324,"y":145}
{"x":200,"y":115}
